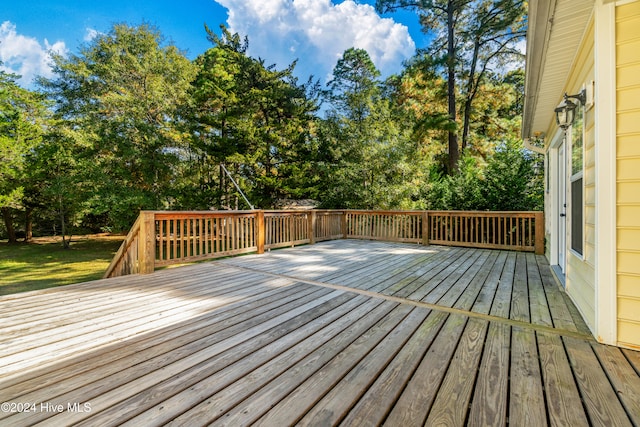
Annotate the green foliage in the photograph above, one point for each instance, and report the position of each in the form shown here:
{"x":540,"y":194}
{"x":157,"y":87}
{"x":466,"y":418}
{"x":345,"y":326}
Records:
{"x":135,"y":125}
{"x":366,"y":149}
{"x":22,"y":116}
{"x":509,"y":181}
{"x":121,"y":94}
{"x":253,"y":118}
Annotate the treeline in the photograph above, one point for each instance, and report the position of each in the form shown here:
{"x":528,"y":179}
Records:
{"x":129,"y":123}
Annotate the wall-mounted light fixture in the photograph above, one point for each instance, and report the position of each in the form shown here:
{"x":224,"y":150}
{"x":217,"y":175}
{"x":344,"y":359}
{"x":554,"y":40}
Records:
{"x":566,"y":110}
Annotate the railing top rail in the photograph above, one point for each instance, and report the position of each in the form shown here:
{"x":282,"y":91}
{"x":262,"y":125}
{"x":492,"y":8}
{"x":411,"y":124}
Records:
{"x":199,"y":214}
{"x":385,"y":211}
{"x":288,"y":211}
{"x":486,"y":213}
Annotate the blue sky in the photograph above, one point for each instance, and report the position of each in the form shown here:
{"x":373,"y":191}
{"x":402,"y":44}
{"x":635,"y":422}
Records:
{"x":316,"y":32}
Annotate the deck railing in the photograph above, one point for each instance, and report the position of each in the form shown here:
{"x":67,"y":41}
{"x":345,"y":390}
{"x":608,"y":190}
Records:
{"x":160,"y":238}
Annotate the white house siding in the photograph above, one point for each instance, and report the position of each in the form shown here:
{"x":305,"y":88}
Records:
{"x":628,"y":173}
{"x":580,"y":270}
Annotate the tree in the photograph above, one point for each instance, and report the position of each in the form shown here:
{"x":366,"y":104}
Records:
{"x":494,"y":28}
{"x":22,"y":117}
{"x":254,"y":119}
{"x":61,"y":178}
{"x":123,"y":92}
{"x":470,"y":36}
{"x":365,"y":147}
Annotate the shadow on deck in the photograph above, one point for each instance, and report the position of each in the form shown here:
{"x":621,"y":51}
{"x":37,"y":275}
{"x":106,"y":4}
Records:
{"x":342,"y":332}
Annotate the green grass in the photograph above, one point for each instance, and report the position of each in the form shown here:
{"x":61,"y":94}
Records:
{"x":45,"y":264}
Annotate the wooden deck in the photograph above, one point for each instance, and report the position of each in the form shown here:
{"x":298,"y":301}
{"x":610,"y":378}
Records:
{"x":343,"y":332}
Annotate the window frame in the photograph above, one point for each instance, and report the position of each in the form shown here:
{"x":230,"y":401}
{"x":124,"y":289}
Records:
{"x":577,"y":213}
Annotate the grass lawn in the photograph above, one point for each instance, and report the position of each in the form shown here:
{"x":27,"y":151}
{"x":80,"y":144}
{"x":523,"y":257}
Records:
{"x":45,"y":264}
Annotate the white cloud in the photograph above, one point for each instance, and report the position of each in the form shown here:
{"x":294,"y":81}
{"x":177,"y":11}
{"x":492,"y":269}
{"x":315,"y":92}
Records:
{"x":25,"y":55}
{"x":90,"y":34}
{"x":318,"y":32}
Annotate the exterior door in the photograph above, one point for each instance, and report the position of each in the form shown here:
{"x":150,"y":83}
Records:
{"x":562,"y":206}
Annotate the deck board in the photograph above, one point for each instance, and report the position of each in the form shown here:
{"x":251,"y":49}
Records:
{"x":489,"y":405}
{"x":343,"y":332}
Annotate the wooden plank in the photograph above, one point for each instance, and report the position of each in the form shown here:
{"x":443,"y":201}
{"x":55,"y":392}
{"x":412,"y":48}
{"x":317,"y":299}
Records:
{"x":520,"y":293}
{"x":599,"y":397}
{"x":452,"y":401}
{"x":184,"y":370}
{"x":334,"y":406}
{"x":74,"y":298}
{"x":413,"y":278}
{"x":90,"y":303}
{"x":558,"y":302}
{"x":416,"y":399}
{"x":393,"y":275}
{"x":304,"y":294}
{"x":447,"y":297}
{"x":292,"y":407}
{"x":208,"y":397}
{"x":482,"y":290}
{"x":371,"y":409}
{"x":215,"y":353}
{"x":526,"y":401}
{"x":146,"y":347}
{"x":564,"y":405}
{"x":381,"y":256}
{"x":445,"y":279}
{"x":633,"y":356}
{"x":623,"y":376}
{"x":489,"y":404}
{"x":539,"y":308}
{"x":487,"y":277}
{"x":255,"y":406}
{"x":438,"y":272}
{"x":130,"y":318}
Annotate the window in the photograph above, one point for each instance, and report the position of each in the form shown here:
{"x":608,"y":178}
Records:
{"x":577,"y":199}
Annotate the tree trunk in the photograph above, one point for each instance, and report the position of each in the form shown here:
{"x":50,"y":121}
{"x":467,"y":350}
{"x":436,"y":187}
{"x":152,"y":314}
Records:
{"x":454,"y":153}
{"x":28,"y":225}
{"x":8,"y":223}
{"x":472,"y":86}
{"x":63,"y":225}
{"x":221,"y":188}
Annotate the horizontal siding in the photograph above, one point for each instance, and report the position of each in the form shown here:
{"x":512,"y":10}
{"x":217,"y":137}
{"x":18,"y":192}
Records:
{"x":627,"y":216}
{"x":628,"y":285}
{"x":589,"y":162}
{"x":628,"y":146}
{"x":628,"y":191}
{"x":581,"y":288}
{"x":627,"y":77}
{"x":627,"y":120}
{"x":628,"y":99}
{"x":628,"y":261}
{"x":626,"y":28}
{"x":580,"y":272}
{"x":626,"y":52}
{"x":628,"y":331}
{"x":629,"y":239}
{"x":628,"y":172}
{"x":627,"y":166}
{"x":628,"y":307}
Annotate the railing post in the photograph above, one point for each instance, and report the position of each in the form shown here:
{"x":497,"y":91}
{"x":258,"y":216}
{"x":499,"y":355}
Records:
{"x":343,"y":225}
{"x":539,"y":244}
{"x":147,"y":243}
{"x":260,"y":227}
{"x":312,"y":226}
{"x":425,"y":228}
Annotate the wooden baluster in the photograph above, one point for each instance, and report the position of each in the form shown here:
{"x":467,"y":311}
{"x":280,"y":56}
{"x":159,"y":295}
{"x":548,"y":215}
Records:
{"x":260,"y":229}
{"x":147,"y":243}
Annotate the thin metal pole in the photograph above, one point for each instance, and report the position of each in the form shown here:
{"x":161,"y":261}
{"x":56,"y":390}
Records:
{"x":237,"y":187}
